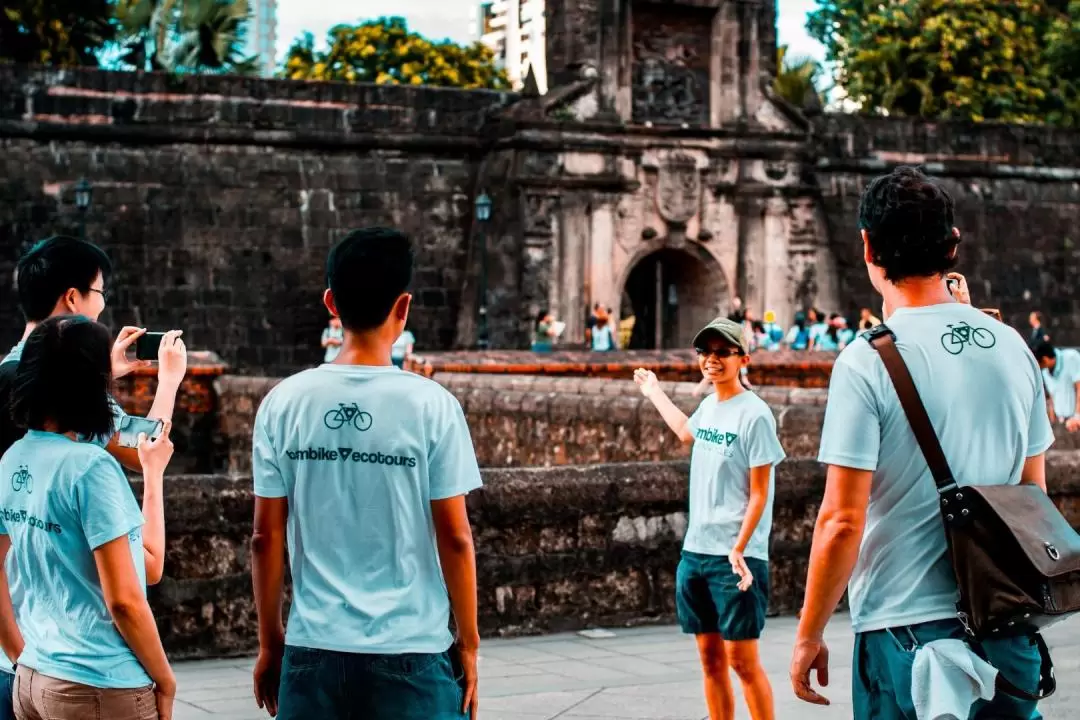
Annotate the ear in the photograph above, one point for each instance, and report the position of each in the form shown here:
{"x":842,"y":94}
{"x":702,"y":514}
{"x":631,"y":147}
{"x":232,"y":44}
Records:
{"x":328,"y":301}
{"x":68,"y":300}
{"x":868,"y":253}
{"x":744,"y":360}
{"x":401,"y":307}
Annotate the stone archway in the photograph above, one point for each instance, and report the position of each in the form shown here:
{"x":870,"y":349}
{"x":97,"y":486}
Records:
{"x":672,"y":294}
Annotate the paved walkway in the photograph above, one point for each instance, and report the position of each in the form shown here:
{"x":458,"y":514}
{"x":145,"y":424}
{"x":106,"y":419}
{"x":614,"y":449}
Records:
{"x":639,"y":674}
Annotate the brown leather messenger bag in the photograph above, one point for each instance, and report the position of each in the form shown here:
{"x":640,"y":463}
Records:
{"x":1015,"y":556}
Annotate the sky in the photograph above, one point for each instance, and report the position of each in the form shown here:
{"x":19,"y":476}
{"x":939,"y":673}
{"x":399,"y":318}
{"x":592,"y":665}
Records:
{"x":438,"y":19}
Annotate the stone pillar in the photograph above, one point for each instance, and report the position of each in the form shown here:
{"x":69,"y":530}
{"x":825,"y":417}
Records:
{"x":777,"y":292}
{"x":540,"y":212}
{"x":602,"y":278}
{"x":752,"y":254}
{"x":725,"y":66}
{"x":568,"y":298}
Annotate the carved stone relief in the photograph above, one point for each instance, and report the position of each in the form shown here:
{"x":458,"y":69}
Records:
{"x":803,"y":234}
{"x":539,"y":215}
{"x":678,"y":189}
{"x":672,"y":48}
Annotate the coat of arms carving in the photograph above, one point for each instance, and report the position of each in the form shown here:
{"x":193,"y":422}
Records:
{"x":678,"y":189}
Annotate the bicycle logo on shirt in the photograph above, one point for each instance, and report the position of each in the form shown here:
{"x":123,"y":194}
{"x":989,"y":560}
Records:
{"x":347,"y":414}
{"x":22,"y":479}
{"x":961,"y":335}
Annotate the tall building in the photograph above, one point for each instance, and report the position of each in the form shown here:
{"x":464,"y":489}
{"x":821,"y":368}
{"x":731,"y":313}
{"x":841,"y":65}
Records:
{"x":262,"y":35}
{"x":515,"y":30}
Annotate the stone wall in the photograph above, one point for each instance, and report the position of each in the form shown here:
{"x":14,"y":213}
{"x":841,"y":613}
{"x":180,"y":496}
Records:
{"x":218,"y":197}
{"x":524,"y":421}
{"x":557,"y":549}
{"x":1017,"y":193}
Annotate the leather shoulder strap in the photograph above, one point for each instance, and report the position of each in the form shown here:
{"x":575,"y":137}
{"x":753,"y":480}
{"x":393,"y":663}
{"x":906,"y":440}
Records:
{"x":882,"y":339}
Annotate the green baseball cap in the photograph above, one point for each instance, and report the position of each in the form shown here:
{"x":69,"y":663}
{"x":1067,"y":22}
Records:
{"x":725,"y":329}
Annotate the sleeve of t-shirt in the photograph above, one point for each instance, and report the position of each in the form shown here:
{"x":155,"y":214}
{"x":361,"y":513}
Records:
{"x":851,"y":433}
{"x":693,"y":423}
{"x":267,"y":477}
{"x":1040,"y":431}
{"x":105,"y":504}
{"x":762,"y":445}
{"x":452,"y":466}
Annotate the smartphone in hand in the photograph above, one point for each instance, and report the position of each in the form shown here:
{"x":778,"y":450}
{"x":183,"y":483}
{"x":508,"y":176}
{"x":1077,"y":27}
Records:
{"x":132,"y":425}
{"x":146,"y":347}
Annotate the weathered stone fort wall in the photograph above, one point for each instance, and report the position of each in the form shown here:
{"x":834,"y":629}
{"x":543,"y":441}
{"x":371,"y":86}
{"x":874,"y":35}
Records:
{"x":558,"y":548}
{"x":218,"y":197}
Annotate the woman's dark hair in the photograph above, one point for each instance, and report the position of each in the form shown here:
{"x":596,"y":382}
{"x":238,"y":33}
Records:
{"x":64,"y":375}
{"x":540,"y":317}
{"x":800,"y":320}
{"x":909,"y":221}
{"x":833,"y":332}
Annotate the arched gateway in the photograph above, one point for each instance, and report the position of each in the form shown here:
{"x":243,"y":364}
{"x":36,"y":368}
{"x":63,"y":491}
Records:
{"x":671,"y":294}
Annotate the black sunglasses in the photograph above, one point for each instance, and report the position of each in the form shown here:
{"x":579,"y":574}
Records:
{"x":720,"y":352}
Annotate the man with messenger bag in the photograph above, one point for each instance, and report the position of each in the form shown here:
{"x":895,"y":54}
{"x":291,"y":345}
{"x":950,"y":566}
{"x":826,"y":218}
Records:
{"x":935,"y":504}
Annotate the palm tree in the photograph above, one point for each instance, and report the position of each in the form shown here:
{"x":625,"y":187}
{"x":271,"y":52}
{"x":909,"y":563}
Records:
{"x":796,"y":80}
{"x":204,"y":36}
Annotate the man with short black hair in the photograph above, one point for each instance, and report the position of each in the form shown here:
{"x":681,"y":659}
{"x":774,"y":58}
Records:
{"x":62,"y":275}
{"x":879,"y":525}
{"x":362,"y":470}
{"x":1061,"y":374}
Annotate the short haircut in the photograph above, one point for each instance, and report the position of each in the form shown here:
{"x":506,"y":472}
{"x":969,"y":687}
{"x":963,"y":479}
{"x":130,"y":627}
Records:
{"x":910,"y":221}
{"x":65,"y":375}
{"x":1038,"y":316}
{"x":1043,"y":349}
{"x":367,"y":272}
{"x":51,"y":268}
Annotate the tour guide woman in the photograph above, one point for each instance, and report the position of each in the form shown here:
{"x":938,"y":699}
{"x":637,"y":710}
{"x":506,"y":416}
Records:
{"x":86,"y":644}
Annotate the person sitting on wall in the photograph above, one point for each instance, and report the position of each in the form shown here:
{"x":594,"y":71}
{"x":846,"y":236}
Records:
{"x":798,"y":337}
{"x":331,"y":339}
{"x":1038,"y":329}
{"x":722,"y":582}
{"x":80,"y":627}
{"x":361,"y":470}
{"x":1061,"y":375}
{"x":402,"y":349}
{"x":603,"y":339}
{"x":867,"y":320}
{"x":545,"y":333}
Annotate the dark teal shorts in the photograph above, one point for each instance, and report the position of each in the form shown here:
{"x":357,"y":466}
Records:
{"x":708,"y":599}
{"x":881,"y":673}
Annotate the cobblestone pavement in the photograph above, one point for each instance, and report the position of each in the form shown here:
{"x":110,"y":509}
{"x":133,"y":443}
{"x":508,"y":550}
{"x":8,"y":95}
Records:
{"x":639,"y":674}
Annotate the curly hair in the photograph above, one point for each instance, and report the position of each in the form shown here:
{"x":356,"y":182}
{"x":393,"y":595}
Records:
{"x":909,"y":221}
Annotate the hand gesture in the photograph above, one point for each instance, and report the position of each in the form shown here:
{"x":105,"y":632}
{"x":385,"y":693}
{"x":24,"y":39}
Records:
{"x":810,"y":655}
{"x":960,"y":289}
{"x":1073,"y":423}
{"x":155,"y":454}
{"x":267,"y":675}
{"x":740,"y":568}
{"x":121,"y":366}
{"x":647,"y":382}
{"x":472,"y":697}
{"x":172,"y":358}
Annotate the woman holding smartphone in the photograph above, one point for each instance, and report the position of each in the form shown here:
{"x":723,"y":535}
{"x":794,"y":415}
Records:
{"x":85,"y":643}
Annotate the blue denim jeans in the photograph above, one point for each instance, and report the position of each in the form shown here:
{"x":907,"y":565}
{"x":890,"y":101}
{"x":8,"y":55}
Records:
{"x":7,"y":685}
{"x":881,"y":672}
{"x":348,"y":686}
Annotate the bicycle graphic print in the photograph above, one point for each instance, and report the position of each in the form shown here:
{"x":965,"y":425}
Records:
{"x":22,"y":479}
{"x":960,"y":335}
{"x":346,"y":414}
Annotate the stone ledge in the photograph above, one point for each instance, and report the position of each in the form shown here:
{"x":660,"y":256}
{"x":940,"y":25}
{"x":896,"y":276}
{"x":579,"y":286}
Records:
{"x":557,"y":549}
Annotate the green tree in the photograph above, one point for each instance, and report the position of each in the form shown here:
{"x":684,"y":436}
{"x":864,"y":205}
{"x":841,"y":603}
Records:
{"x":54,"y":32}
{"x":797,"y":80}
{"x":951,"y":59}
{"x":202,"y":36}
{"x":384,"y":51}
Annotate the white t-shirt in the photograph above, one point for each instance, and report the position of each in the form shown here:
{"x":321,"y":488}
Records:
{"x":730,"y":437}
{"x":1062,"y":382}
{"x":984,"y":395}
{"x":361,"y":452}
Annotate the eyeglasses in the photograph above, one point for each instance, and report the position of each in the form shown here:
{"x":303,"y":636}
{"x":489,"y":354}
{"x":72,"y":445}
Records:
{"x":105,"y":294}
{"x":719,"y":352}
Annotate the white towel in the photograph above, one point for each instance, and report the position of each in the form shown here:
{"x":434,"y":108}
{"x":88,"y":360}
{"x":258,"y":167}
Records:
{"x":947,"y":678}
